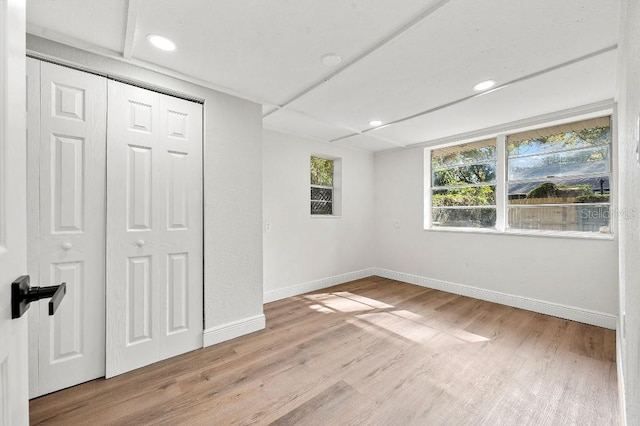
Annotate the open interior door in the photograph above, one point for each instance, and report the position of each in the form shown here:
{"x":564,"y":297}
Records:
{"x":14,"y":405}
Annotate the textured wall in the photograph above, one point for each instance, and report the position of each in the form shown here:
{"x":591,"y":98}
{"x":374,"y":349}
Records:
{"x":298,"y":248}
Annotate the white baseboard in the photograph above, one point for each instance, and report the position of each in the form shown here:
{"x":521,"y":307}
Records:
{"x":554,"y":309}
{"x":295,"y":290}
{"x":548,"y":308}
{"x":232,"y":330}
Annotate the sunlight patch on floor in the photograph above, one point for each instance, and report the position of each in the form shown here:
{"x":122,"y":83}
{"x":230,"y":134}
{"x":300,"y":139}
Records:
{"x":403,"y":323}
{"x":411,"y":326}
{"x":365,"y":300}
{"x":322,"y":309}
{"x":408,"y":329}
{"x":345,"y":302}
{"x":467,"y":337}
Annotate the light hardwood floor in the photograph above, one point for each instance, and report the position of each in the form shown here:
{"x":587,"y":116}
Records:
{"x":373,"y":352}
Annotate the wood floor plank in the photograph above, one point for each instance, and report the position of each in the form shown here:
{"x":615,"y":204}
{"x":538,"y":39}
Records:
{"x":339,"y":404}
{"x":374,"y":351}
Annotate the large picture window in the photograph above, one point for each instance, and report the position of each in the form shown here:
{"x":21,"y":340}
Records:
{"x":555,"y":179}
{"x":463,"y":185}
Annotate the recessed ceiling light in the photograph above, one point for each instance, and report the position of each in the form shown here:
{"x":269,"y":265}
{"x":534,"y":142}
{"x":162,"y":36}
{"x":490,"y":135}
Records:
{"x":331,"y":59}
{"x":375,"y":123}
{"x":484,"y":85}
{"x":161,"y":42}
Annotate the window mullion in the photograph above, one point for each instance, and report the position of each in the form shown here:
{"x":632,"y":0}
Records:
{"x":501,"y":182}
{"x":427,"y":189}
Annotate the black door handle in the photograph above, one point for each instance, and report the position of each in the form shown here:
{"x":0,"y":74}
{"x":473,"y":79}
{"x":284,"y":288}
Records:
{"x":22,"y":294}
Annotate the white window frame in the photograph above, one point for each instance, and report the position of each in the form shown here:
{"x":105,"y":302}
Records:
{"x":501,"y":226}
{"x":336,"y":208}
{"x":429,"y":189}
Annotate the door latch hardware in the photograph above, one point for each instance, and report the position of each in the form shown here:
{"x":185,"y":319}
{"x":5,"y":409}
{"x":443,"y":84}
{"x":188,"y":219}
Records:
{"x":22,"y":294}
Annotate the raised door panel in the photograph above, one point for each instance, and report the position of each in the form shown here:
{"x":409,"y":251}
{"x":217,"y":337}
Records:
{"x":139,"y":188}
{"x":66,"y":329}
{"x":138,"y":307}
{"x":69,"y":241}
{"x":177,"y":293}
{"x":67,"y":189}
{"x":178,"y":190}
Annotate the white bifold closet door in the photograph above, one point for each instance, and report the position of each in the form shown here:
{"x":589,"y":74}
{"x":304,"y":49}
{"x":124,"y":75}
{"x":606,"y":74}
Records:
{"x":66,"y":120}
{"x":154,"y":227}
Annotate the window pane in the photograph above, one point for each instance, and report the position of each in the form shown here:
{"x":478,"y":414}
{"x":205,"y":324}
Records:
{"x":473,"y":196}
{"x":321,"y":200}
{"x":471,"y":169}
{"x":559,"y":177}
{"x":321,"y":194}
{"x":573,"y":217}
{"x":321,"y":171}
{"x":465,"y":217}
{"x":321,"y":207}
{"x":579,"y":162}
{"x":560,"y":191}
{"x":469,"y":153}
{"x":464,"y":175}
{"x":582,"y":134}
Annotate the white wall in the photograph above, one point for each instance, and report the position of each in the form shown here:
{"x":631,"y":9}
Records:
{"x":577,"y":273}
{"x":232,"y":211}
{"x":629,"y":172}
{"x":232,"y":192}
{"x":303,"y":253}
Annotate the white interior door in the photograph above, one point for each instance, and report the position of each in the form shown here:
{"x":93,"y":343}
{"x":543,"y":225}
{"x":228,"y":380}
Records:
{"x":154,"y":227}
{"x":14,"y":408}
{"x":66,"y":214}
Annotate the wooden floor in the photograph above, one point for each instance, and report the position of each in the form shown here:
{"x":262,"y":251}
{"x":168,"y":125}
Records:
{"x":372,"y":352}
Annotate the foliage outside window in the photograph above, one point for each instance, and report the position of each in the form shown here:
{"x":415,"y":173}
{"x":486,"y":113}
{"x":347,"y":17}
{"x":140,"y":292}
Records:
{"x":463,"y":190}
{"x":559,"y":177}
{"x":322,"y":191}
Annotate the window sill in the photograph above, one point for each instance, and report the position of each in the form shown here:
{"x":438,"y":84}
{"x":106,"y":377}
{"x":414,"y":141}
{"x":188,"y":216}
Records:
{"x":325,"y":216}
{"x":525,"y":233}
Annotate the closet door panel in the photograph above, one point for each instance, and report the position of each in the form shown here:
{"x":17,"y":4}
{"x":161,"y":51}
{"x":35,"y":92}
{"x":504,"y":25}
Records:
{"x":181,"y":226}
{"x":68,"y":245}
{"x":133,"y":263}
{"x":154,"y":227}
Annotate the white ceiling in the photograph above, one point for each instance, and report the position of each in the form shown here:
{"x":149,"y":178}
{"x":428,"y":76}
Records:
{"x":411,"y":63}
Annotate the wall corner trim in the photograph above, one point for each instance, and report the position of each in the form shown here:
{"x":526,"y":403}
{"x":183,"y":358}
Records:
{"x":231,"y":330}
{"x":586,"y":316}
{"x":297,"y":289}
{"x":622,"y":401}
